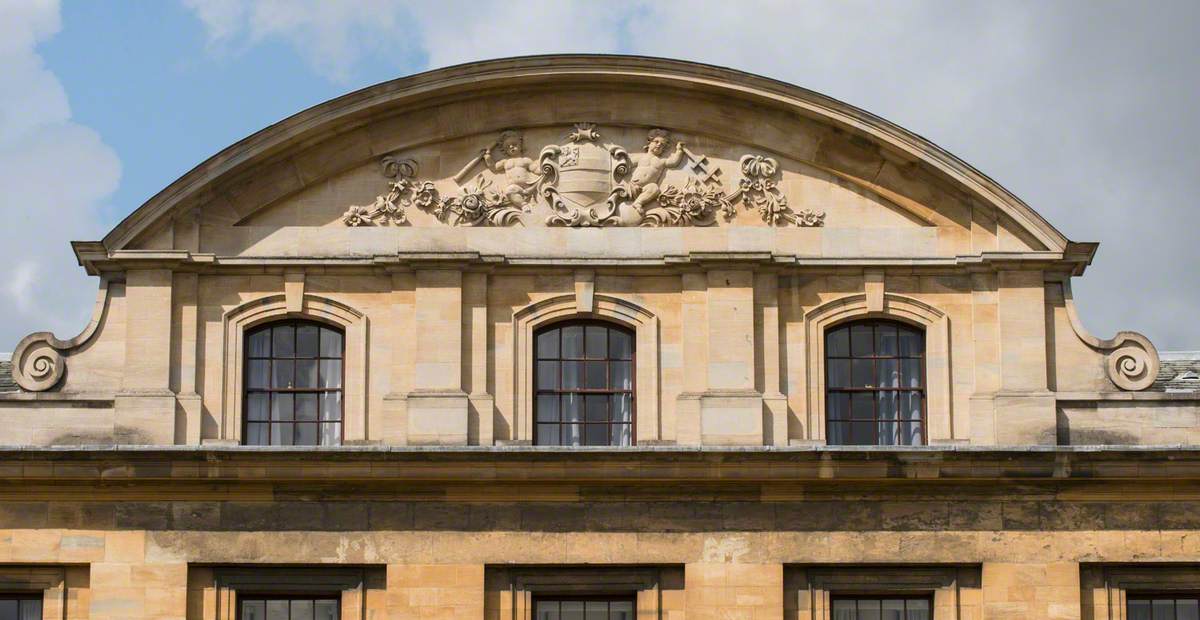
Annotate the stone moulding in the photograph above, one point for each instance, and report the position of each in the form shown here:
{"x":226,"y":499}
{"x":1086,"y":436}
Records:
{"x":643,"y":322}
{"x":1131,"y":360}
{"x":313,"y":307}
{"x":40,"y":360}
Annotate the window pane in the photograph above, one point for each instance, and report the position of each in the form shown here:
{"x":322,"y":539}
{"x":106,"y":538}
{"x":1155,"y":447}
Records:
{"x":331,"y":434}
{"x":331,"y":374}
{"x":547,"y":610}
{"x":621,"y":378}
{"x":571,"y":610}
{"x":596,"y":610}
{"x":331,"y":406}
{"x":306,"y":373}
{"x":596,"y":434}
{"x":1139,"y":610}
{"x":254,"y":610}
{"x":547,"y":408}
{"x":282,"y":373}
{"x":910,"y":373}
{"x":862,"y":406}
{"x":306,"y":434}
{"x":911,"y":433}
{"x":596,"y":409}
{"x":257,"y":373}
{"x":868,"y":609}
{"x":282,"y":407}
{"x":885,"y":339}
{"x":284,"y":339}
{"x":572,"y":375}
{"x":256,"y":406}
{"x":331,"y":343}
{"x":596,"y":340}
{"x":548,"y":434}
{"x":893,"y":609}
{"x":1164,"y":609}
{"x":887,"y":373}
{"x":843,"y":610}
{"x":1187,"y":609}
{"x":259,"y":345}
{"x":620,"y":610}
{"x":572,"y":341}
{"x":8,"y":610}
{"x":308,"y":339}
{"x":571,"y":435}
{"x":256,"y":434}
{"x":838,"y":406}
{"x":910,"y":343}
{"x":306,"y":407}
{"x":325,"y":610}
{"x":862,"y":373}
{"x":277,"y":610}
{"x":839,"y":373}
{"x":620,"y":345}
{"x":837,"y":344}
{"x":918,"y":609}
{"x":597,"y":375}
{"x":572,"y":407}
{"x":281,"y":434}
{"x":31,"y":609}
{"x":862,"y":340}
{"x":547,"y":344}
{"x":862,"y":433}
{"x":622,"y":435}
{"x":622,"y":408}
{"x":547,"y":376}
{"x":888,"y":433}
{"x":839,"y":433}
{"x":910,"y":405}
{"x":302,"y":610}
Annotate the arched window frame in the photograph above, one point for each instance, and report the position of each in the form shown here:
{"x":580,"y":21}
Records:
{"x":247,"y":316}
{"x":274,"y":391}
{"x":582,"y":392}
{"x":940,"y":415}
{"x":875,"y":323}
{"x":644,"y":324}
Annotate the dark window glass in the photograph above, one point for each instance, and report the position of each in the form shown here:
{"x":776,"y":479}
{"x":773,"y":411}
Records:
{"x":882,"y":608}
{"x":288,"y":608}
{"x":584,"y":608}
{"x":875,"y":384}
{"x":584,"y":378}
{"x":1163,"y":607}
{"x":20,"y":607}
{"x":293,"y":385}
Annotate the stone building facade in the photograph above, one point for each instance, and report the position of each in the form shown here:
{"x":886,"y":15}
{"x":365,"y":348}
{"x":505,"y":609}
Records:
{"x":593,"y":337}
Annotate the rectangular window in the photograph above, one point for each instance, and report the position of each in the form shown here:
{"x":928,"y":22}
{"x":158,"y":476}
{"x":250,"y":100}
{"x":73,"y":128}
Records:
{"x":584,"y":608}
{"x":20,"y":607}
{"x":882,"y":608}
{"x":1164,"y":607}
{"x":289,"y":608}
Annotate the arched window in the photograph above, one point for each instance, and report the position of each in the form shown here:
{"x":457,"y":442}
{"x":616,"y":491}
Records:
{"x":293,"y":384}
{"x":584,"y":385}
{"x":875,"y":384}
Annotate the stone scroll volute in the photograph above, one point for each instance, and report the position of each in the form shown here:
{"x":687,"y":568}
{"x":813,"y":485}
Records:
{"x":586,"y":181}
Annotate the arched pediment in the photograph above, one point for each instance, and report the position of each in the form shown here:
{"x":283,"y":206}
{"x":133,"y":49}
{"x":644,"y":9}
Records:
{"x":435,"y":162}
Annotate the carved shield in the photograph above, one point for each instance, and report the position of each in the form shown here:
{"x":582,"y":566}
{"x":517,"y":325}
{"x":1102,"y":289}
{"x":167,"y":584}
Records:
{"x":585,"y":174}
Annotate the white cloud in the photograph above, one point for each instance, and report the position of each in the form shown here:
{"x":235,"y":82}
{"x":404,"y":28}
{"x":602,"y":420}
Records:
{"x":1084,"y":109}
{"x":53,"y":175}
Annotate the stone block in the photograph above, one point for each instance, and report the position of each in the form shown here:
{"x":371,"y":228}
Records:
{"x":731,"y":418}
{"x":437,"y":418}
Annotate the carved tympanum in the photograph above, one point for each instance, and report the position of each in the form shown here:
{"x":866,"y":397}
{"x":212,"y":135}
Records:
{"x":584,"y":182}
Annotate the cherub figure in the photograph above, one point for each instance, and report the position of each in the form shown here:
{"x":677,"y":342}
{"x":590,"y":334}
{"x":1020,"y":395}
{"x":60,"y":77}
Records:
{"x":519,"y":172}
{"x":651,"y":167}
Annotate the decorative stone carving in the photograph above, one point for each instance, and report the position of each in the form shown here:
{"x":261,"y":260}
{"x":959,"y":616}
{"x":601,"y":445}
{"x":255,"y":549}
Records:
{"x":1131,"y":359}
{"x":759,"y":188}
{"x":584,"y":182}
{"x":39,"y":363}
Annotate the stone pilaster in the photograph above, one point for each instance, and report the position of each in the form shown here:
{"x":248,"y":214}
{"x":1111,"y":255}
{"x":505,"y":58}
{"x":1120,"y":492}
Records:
{"x":1024,"y":407}
{"x":144,"y":409}
{"x":731,"y":408}
{"x":437,"y":404}
{"x":481,"y":402}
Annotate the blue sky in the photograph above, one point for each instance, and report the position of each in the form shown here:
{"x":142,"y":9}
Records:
{"x":1085,"y":109}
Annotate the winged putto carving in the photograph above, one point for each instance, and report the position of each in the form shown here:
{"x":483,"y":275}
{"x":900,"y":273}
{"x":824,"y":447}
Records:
{"x":583,"y":182}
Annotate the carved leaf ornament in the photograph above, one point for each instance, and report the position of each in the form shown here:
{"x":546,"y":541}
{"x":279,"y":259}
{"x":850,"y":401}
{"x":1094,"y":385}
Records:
{"x":584,"y":182}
